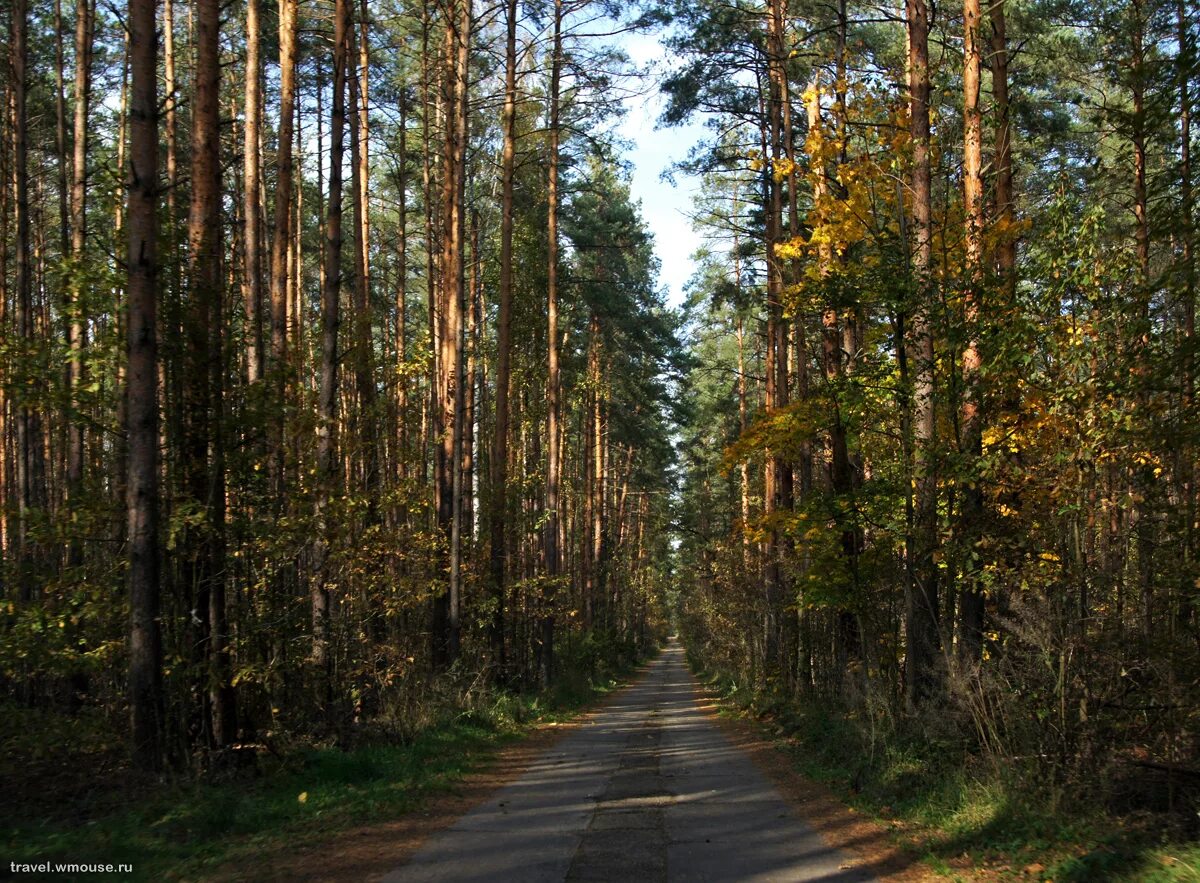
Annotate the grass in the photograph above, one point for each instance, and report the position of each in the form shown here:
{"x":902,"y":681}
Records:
{"x":967,"y":819}
{"x":186,"y":829}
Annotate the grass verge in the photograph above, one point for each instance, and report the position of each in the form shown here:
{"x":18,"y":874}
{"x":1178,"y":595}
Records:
{"x":966,"y":819}
{"x":186,"y":830}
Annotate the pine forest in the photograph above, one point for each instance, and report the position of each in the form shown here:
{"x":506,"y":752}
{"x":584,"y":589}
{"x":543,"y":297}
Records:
{"x":344,"y":403}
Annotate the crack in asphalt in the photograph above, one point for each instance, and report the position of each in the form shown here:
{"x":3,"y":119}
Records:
{"x":627,"y":838}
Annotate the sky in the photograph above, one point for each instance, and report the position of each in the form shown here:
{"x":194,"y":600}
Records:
{"x":665,"y":206}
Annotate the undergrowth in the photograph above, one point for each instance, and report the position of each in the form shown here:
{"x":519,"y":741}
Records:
{"x":186,"y":828}
{"x":966,"y":817}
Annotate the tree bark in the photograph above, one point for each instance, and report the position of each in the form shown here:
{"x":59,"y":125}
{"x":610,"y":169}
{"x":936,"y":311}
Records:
{"x":203,"y":456}
{"x":281,"y":242}
{"x":328,"y":393}
{"x":971,"y":600}
{"x":145,"y":646}
{"x":553,"y":381}
{"x":26,"y":436}
{"x":500,"y":507}
{"x":363,"y":418}
{"x":251,"y":178}
{"x":780,"y":485}
{"x":76,"y":327}
{"x":450,"y":349}
{"x":1006,"y":249}
{"x":402,"y":295}
{"x":1187,"y":65}
{"x":921,"y":612}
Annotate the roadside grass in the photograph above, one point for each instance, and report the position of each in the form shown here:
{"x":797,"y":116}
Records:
{"x":185,"y":829}
{"x":965,"y":818}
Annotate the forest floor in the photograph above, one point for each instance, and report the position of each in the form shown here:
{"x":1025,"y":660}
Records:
{"x":374,"y":802}
{"x":961,"y":824}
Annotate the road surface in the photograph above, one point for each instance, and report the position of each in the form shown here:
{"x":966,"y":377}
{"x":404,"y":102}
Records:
{"x":647,"y":789}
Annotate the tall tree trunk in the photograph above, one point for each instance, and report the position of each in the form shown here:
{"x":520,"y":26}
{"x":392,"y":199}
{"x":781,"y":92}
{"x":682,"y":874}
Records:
{"x":402,"y":295}
{"x":457,"y":290}
{"x":841,"y":477}
{"x":1143,"y":479}
{"x":553,"y":381}
{"x":597,"y":527}
{"x":251,"y":178}
{"x":6,"y":459}
{"x":769,"y":546}
{"x":145,"y":645}
{"x":474,"y":361}
{"x":743,"y":423}
{"x":171,"y":363}
{"x":971,"y":600}
{"x":450,"y":350}
{"x":204,"y":455}
{"x":60,"y":134}
{"x":500,"y":506}
{"x":60,"y":155}
{"x":170,"y":104}
{"x":779,"y":495}
{"x":430,"y":401}
{"x":1006,"y":248}
{"x":330,"y":292}
{"x":363,"y":118}
{"x":363,"y":418}
{"x":922,"y":593}
{"x":120,"y":481}
{"x":19,"y":59}
{"x":789,"y":621}
{"x":122,"y":135}
{"x":1187,"y":66}
{"x":281,"y":241}
{"x":76,"y":327}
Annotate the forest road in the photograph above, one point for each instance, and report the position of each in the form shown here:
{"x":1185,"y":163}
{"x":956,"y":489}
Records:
{"x":647,"y":789}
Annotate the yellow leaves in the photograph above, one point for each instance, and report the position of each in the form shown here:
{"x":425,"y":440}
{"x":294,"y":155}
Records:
{"x":302,"y":798}
{"x":996,"y":437}
{"x":792,"y":250}
{"x":782,"y":167}
{"x":1049,"y":557}
{"x":1147,"y":459}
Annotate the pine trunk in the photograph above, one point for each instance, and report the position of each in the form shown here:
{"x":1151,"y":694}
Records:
{"x":142,"y":501}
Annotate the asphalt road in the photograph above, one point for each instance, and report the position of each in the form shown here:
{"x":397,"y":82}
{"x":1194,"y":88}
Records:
{"x":647,"y":789}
